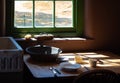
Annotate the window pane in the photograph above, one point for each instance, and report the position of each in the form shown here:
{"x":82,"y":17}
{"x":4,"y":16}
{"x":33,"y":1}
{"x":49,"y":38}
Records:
{"x":43,"y":13}
{"x":63,"y":12}
{"x":23,"y":14}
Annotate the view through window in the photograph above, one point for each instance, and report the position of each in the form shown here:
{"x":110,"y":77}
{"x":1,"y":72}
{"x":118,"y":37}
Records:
{"x":43,"y":14}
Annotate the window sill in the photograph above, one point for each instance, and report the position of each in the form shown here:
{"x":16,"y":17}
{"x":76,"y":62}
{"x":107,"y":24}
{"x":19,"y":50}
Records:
{"x":54,"y":39}
{"x":62,"y":43}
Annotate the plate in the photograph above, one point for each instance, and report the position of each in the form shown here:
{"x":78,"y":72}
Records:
{"x":67,"y":66}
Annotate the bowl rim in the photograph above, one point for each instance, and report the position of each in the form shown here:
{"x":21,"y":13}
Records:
{"x":33,"y":53}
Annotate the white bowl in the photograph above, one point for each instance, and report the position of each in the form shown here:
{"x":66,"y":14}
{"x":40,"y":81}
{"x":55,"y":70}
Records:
{"x":67,"y":66}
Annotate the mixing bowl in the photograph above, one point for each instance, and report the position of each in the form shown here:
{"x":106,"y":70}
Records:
{"x":43,"y":53}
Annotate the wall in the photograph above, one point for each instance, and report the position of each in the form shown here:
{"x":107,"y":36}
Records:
{"x":102,"y":22}
{"x":101,"y":26}
{"x":2,"y":17}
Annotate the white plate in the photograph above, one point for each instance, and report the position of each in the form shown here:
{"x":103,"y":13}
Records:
{"x":70,"y":66}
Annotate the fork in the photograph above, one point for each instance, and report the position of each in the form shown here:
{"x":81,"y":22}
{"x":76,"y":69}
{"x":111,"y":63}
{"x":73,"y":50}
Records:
{"x":53,"y":70}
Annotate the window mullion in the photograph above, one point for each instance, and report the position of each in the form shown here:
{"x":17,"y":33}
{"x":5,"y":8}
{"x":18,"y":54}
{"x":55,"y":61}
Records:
{"x":54,"y":13}
{"x":33,"y":16}
{"x":74,"y":13}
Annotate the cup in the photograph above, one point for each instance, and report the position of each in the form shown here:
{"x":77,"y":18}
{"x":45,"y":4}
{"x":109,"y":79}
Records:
{"x":93,"y":62}
{"x":78,"y":59}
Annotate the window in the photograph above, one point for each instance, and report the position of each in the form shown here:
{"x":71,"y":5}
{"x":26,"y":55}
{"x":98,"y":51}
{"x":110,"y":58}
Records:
{"x":59,"y":17}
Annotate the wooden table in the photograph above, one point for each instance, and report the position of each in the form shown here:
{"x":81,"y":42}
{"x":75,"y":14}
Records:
{"x":109,"y":61}
{"x":41,"y":70}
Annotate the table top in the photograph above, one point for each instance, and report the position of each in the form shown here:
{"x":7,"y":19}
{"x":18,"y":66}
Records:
{"x":42,"y":70}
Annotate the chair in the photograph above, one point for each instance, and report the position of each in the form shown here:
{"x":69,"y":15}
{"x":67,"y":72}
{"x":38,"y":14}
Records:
{"x":97,"y":76}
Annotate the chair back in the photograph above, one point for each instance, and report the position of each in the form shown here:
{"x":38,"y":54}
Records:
{"x":97,"y":76}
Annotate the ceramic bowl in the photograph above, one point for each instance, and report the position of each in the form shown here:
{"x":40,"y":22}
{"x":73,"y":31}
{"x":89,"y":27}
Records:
{"x":43,"y":53}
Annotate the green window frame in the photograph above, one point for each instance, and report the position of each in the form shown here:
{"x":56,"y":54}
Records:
{"x":76,"y":30}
